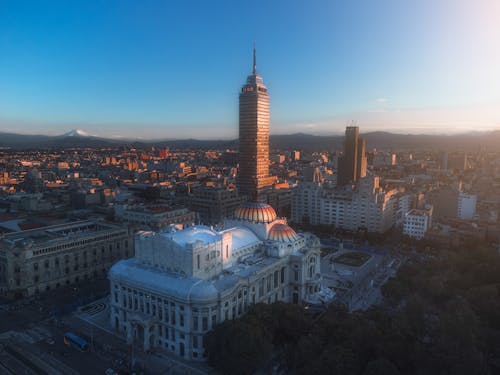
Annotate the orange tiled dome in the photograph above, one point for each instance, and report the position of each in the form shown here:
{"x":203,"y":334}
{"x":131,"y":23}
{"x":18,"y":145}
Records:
{"x":282,"y":233}
{"x":255,"y":212}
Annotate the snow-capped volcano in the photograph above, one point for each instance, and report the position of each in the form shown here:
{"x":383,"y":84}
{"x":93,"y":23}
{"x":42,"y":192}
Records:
{"x":77,"y":133}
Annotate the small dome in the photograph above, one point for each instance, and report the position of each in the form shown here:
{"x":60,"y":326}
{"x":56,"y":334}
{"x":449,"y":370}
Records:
{"x":282,"y":233}
{"x":255,"y":212}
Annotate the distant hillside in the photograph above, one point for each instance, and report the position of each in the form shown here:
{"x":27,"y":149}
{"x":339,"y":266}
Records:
{"x":299,"y":141}
{"x":385,"y":140}
{"x":74,"y":138}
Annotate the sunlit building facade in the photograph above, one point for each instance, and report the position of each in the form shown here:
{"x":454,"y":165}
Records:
{"x":253,"y":175}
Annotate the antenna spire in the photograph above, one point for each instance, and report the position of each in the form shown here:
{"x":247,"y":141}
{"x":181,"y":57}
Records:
{"x":254,"y":58}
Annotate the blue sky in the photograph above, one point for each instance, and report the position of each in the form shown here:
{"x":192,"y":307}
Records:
{"x":174,"y":69}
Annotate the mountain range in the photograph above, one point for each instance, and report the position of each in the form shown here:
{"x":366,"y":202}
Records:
{"x":380,"y":140}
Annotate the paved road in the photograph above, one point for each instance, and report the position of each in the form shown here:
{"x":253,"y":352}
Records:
{"x":30,"y":323}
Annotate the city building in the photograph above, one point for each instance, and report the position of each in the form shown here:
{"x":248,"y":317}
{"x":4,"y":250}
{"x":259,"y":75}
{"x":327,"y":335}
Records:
{"x":253,"y":175}
{"x":182,"y":284}
{"x":452,"y":202}
{"x":417,"y":223}
{"x":352,"y":164}
{"x":466,"y":205}
{"x":156,"y":217}
{"x":365,"y":206}
{"x":38,"y":260}
{"x":445,"y":202}
{"x":213,"y":204}
{"x":295,"y":155}
{"x":384,"y":159}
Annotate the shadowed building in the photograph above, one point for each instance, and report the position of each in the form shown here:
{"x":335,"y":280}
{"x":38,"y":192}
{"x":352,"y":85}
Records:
{"x":352,"y":165}
{"x":253,"y":175}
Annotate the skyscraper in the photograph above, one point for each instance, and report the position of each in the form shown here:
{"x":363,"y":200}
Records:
{"x":352,"y":165}
{"x":253,"y":174}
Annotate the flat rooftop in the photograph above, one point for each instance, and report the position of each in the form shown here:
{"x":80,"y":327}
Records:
{"x":56,"y":232}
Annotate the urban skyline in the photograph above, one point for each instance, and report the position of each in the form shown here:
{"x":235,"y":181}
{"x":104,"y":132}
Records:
{"x":114,"y":69}
{"x":166,"y":252}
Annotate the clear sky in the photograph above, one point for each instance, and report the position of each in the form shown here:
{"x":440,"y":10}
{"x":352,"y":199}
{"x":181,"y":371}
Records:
{"x":174,"y":69}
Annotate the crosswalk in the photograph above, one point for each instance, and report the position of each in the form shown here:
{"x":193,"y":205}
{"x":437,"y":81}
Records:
{"x":31,"y":335}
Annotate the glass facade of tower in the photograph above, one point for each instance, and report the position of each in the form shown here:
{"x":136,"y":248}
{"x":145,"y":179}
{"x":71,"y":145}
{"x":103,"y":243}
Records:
{"x":253,"y":173}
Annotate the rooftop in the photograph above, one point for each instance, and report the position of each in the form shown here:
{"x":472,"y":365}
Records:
{"x":56,"y":232}
{"x":193,"y":234}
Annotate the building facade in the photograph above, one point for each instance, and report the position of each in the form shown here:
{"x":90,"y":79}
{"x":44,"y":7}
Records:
{"x":38,"y":260}
{"x":212,"y":204}
{"x":417,"y":223}
{"x":466,"y":205}
{"x":156,"y":217}
{"x":253,"y":175}
{"x":352,"y":164}
{"x":182,"y":284}
{"x":364,"y":206}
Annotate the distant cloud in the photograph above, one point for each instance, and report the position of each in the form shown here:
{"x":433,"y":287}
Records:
{"x":381,"y":100}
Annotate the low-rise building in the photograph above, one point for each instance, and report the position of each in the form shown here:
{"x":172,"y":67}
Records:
{"x":156,"y":217}
{"x":466,"y":206}
{"x":38,"y":260}
{"x":417,"y":223}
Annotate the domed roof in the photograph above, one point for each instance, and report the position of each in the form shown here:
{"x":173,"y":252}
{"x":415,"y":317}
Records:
{"x":282,"y":233}
{"x":255,"y":212}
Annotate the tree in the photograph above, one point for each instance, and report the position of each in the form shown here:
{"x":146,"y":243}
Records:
{"x":236,"y":347}
{"x":381,"y":366}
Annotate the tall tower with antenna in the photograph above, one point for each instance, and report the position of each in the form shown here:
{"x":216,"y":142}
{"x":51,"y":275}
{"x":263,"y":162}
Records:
{"x":253,"y":175}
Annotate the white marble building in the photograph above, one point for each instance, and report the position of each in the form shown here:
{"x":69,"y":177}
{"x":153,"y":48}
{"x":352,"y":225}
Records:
{"x":182,"y":284}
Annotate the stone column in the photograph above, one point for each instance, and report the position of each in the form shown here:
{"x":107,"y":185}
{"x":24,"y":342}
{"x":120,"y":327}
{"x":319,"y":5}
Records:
{"x":147,"y":336}
{"x":130,"y":337}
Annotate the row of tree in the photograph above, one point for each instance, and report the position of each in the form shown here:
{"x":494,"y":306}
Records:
{"x":441,"y":315}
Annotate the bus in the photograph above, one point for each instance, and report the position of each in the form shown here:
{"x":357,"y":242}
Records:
{"x":70,"y":339}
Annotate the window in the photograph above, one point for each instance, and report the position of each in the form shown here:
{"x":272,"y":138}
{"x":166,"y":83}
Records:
{"x":204,"y":323}
{"x":195,"y":342}
{"x":198,"y":261}
{"x":35,"y":267}
{"x":195,"y":323}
